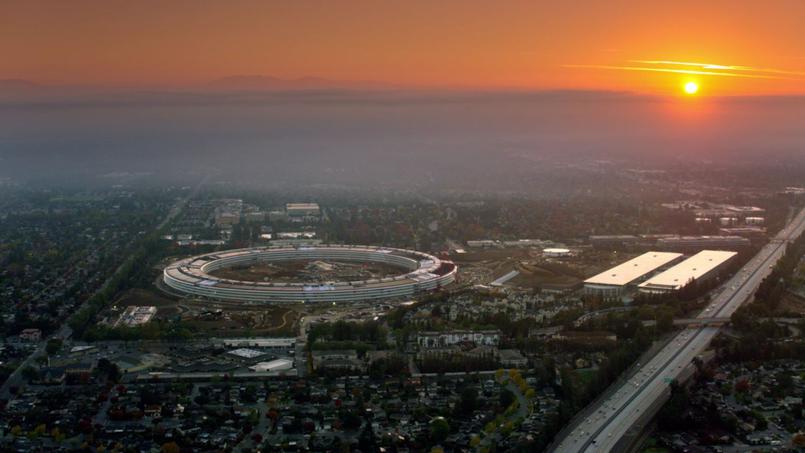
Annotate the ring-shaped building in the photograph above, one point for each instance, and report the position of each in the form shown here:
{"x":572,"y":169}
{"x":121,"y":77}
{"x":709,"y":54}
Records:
{"x":420,"y":272}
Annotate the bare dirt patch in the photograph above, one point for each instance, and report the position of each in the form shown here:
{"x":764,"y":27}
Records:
{"x":258,"y":321}
{"x":313,"y":271}
{"x":534,"y":275}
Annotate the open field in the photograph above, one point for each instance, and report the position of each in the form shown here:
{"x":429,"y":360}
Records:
{"x":482,"y":266}
{"x":213,"y":317}
{"x":235,"y":319}
{"x":538,"y":275}
{"x":270,"y":321}
{"x":166,"y":307}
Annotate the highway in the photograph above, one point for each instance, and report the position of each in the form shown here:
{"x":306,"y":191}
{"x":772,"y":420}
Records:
{"x":641,"y":395}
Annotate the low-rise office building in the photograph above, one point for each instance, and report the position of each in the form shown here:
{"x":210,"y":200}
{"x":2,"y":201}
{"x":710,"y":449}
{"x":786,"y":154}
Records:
{"x":698,"y":267}
{"x":696,"y":243}
{"x":452,"y":337}
{"x":613,"y":282}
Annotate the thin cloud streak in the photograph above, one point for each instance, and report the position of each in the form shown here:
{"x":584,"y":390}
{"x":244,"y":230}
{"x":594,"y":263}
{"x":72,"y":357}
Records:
{"x":676,"y":71}
{"x":719,"y":67}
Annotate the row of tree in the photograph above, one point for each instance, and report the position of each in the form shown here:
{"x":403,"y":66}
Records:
{"x":134,"y":271}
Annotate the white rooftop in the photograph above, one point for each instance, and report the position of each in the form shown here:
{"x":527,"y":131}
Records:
{"x":691,"y":269}
{"x":274,"y":365}
{"x":261,"y":342}
{"x":81,"y":348}
{"x":301,"y":206}
{"x":637,"y":267}
{"x":246,"y":353}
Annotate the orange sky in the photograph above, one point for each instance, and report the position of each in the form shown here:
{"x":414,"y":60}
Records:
{"x":533,"y":44}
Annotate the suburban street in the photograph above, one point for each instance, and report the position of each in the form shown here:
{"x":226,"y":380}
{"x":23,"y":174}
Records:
{"x":65,"y":332}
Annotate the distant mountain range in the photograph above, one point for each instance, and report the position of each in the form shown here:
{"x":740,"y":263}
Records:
{"x":269,"y":83}
{"x":18,"y":84}
{"x":23,"y":88}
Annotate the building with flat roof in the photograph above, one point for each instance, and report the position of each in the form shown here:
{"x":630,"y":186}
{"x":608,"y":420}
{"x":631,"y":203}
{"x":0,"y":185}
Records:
{"x":694,"y":243}
{"x":512,"y":358}
{"x":612,"y":282}
{"x":266,"y":342}
{"x":337,"y":359}
{"x":429,"y":340}
{"x":556,"y":252}
{"x":613,"y":240}
{"x":526,"y":243}
{"x":273,"y":365}
{"x":302,"y":209}
{"x":698,"y":267}
{"x":751,"y":231}
{"x":246,"y":353}
{"x":31,"y":335}
{"x":483,"y":243}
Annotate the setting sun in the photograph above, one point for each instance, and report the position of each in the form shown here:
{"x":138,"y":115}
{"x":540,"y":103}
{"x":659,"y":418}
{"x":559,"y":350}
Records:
{"x":691,"y":88}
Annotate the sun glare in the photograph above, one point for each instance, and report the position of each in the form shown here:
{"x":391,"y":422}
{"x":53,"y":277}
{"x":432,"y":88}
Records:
{"x":691,"y":88}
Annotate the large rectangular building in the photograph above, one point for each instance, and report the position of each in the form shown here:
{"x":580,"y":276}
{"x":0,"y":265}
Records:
{"x":698,"y":267}
{"x":612,"y":282}
{"x":302,"y":209}
{"x":613,"y":240}
{"x":694,"y":243}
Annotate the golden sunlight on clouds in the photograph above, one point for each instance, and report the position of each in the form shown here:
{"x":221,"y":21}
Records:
{"x":719,"y":67}
{"x":675,"y":71}
{"x":751,"y":74}
{"x":450,"y":43}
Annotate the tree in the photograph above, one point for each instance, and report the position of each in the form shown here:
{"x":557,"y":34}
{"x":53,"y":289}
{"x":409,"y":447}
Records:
{"x":109,"y":369}
{"x":30,"y":373}
{"x":350,"y":421}
{"x":506,"y":398}
{"x":170,"y":447}
{"x":439,"y":429}
{"x":367,"y":440}
{"x":468,"y":401}
{"x":671,"y":415}
{"x":784,"y":380}
{"x":665,"y":320}
{"x":507,"y":428}
{"x":40,"y":430}
{"x":53,"y":346}
{"x":743,"y":386}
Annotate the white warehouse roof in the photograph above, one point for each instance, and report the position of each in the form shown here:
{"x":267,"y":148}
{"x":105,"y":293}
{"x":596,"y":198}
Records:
{"x":637,"y":267}
{"x":246,"y":353}
{"x":692,"y":268}
{"x":274,"y":365}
